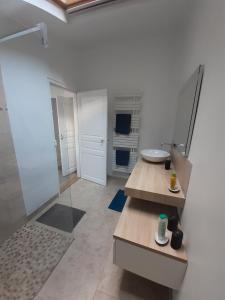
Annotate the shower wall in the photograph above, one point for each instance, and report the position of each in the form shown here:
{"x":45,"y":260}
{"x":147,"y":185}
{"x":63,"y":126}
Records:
{"x":12,"y":209}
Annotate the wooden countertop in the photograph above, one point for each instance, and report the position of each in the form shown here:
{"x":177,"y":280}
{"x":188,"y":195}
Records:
{"x":150,"y":181}
{"x":138,"y":224}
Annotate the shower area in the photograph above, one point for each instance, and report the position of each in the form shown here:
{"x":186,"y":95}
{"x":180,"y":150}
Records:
{"x":37,"y":218}
{"x":31,"y":175}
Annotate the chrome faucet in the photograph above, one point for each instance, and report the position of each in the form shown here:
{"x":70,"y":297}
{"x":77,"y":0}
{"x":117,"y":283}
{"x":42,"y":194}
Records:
{"x":179,"y":145}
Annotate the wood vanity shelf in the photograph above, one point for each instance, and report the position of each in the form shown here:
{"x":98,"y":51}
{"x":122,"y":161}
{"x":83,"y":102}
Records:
{"x":135,"y":248}
{"x":150,"y":181}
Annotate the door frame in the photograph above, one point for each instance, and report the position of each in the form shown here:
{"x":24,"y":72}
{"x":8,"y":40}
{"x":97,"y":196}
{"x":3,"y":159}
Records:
{"x":70,"y":93}
{"x":77,"y":102}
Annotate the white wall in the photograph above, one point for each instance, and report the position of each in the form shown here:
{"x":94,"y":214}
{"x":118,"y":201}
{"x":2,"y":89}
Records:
{"x":148,"y":66}
{"x":25,"y":68}
{"x":203,"y":216}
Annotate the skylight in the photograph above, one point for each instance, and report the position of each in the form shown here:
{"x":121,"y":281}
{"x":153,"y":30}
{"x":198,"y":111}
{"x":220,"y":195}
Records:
{"x":77,"y":5}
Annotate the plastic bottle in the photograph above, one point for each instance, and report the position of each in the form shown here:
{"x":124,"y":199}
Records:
{"x":163,"y":221}
{"x":173,"y":180}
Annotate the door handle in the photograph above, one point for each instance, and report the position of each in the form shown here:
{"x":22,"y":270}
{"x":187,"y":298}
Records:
{"x":61,"y":137}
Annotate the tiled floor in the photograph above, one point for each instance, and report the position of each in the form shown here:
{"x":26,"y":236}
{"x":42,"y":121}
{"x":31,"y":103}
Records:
{"x":86,"y":271}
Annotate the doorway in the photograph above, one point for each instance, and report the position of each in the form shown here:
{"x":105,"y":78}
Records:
{"x":64,"y":120}
{"x":80,"y":127}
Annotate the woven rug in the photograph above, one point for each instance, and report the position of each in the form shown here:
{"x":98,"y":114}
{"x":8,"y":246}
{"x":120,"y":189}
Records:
{"x":27,"y":259}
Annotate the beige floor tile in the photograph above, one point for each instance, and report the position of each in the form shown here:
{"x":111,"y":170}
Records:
{"x":124,"y":285}
{"x":102,"y":296}
{"x":86,"y":272}
{"x":75,"y":278}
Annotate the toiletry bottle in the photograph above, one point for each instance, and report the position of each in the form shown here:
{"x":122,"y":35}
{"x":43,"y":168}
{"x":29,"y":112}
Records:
{"x":172,"y":223}
{"x":173,"y":180}
{"x":176,"y":240}
{"x":163,"y":221}
{"x":167,"y":164}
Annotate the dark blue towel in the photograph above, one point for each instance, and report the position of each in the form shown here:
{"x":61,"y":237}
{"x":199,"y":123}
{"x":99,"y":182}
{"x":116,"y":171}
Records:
{"x":123,"y":122}
{"x":118,"y":201}
{"x":122,"y":157}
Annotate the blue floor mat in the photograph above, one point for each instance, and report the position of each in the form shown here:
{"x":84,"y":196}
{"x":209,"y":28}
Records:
{"x":118,"y":201}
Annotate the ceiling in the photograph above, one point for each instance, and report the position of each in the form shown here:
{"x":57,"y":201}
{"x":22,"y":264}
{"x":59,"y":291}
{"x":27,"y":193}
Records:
{"x":123,"y":20}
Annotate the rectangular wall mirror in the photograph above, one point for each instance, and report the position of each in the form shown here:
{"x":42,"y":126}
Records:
{"x":187,"y":110}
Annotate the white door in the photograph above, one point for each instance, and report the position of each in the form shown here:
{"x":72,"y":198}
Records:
{"x":92,"y":118}
{"x":65,"y":106}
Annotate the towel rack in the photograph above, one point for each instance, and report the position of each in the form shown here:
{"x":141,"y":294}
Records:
{"x":127,"y":103}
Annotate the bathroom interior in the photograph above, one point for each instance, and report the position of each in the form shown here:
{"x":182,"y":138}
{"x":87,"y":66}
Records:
{"x":112,"y":149}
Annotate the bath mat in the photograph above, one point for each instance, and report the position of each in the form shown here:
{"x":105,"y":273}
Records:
{"x":27,"y":259}
{"x":62,"y":217}
{"x":118,"y":201}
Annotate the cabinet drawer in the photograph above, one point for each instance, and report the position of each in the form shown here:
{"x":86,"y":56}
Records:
{"x":151,"y":265}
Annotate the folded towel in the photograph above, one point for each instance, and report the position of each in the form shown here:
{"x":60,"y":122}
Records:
{"x":122,"y":157}
{"x":123,"y":122}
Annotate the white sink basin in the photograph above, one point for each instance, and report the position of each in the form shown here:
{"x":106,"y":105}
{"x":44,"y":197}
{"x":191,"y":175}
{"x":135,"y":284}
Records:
{"x":155,"y":155}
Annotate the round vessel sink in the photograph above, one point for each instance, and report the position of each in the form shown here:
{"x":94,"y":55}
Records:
{"x":155,"y":155}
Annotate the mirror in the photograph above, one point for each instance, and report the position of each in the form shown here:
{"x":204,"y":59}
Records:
{"x":187,"y":110}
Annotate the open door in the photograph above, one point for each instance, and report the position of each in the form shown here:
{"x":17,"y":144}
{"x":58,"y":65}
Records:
{"x":65,"y":107}
{"x":92,"y":118}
